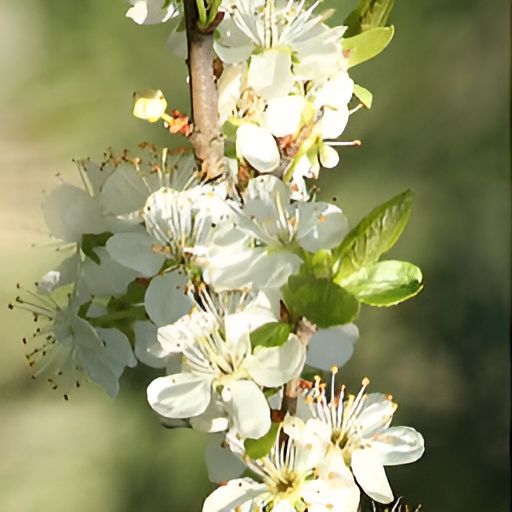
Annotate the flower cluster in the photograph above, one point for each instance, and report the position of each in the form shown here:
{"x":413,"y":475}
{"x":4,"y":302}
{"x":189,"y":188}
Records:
{"x":234,"y":285}
{"x":320,"y":453}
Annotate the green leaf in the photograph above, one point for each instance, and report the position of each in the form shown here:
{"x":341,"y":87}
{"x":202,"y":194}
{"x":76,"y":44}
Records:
{"x":91,"y":241}
{"x":368,"y":14}
{"x":373,"y":236}
{"x":367,"y":45}
{"x":363,"y":95}
{"x":273,"y":334}
{"x":385,"y":283}
{"x":258,"y":448}
{"x":321,"y":264}
{"x":320,"y":300}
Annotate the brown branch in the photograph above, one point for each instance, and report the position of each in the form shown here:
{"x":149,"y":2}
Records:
{"x":208,"y":145}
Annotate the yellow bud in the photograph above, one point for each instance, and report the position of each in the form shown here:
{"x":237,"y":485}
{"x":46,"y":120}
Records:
{"x":149,"y":105}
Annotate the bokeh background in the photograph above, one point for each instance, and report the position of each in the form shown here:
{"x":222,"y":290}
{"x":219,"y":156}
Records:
{"x":439,"y":125}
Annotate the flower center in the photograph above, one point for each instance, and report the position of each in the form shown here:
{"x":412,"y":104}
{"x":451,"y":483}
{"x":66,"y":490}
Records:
{"x":286,"y":483}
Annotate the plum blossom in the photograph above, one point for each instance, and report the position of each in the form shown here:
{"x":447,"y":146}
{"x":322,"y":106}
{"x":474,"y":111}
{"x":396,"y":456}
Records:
{"x":357,"y":430}
{"x":292,"y":475}
{"x":221,"y":369}
{"x":69,"y":347}
{"x":262,"y":246}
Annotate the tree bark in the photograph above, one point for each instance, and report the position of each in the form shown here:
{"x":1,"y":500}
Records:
{"x":205,"y":137}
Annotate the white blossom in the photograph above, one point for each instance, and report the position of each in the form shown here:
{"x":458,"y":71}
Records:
{"x":220,"y":364}
{"x":357,"y":428}
{"x":290,"y":477}
{"x":261,"y":248}
{"x":69,"y":347}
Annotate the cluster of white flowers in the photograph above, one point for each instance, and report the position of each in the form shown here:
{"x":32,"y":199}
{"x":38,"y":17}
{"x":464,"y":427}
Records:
{"x":234,"y":286}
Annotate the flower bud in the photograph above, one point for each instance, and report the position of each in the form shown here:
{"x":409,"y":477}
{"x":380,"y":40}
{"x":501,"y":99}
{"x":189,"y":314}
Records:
{"x":149,"y":105}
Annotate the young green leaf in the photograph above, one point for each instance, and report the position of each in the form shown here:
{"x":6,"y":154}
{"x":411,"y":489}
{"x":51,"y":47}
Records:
{"x":367,"y":45}
{"x":273,"y":334}
{"x":367,"y":15}
{"x":321,"y":264}
{"x":363,"y":95}
{"x":258,"y":448}
{"x":320,"y":300}
{"x":385,"y":283}
{"x":373,"y":236}
{"x":91,"y":241}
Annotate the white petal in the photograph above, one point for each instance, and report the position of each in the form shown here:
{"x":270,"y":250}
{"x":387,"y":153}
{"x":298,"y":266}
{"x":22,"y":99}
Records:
{"x":232,"y":495}
{"x":376,"y":415}
{"x":370,"y":475}
{"x":258,"y":147}
{"x":177,"y":40}
{"x":186,"y":331}
{"x":147,"y":348}
{"x":70,"y":212}
{"x":321,"y":226}
{"x":270,"y":73}
{"x":229,"y":88}
{"x":248,"y":408}
{"x":332,"y":347}
{"x":213,"y":419}
{"x":221,"y":463}
{"x":283,"y":115}
{"x":336,"y":92}
{"x":334,"y":121}
{"x":231,"y":45}
{"x":255,"y":268}
{"x":107,"y":278}
{"x":133,"y":250}
{"x":148,"y":12}
{"x":272,"y":367}
{"x":65,"y":273}
{"x":283,"y":506}
{"x":398,"y":445}
{"x":105,"y":364}
{"x":124,"y":191}
{"x":335,"y":496}
{"x":329,"y":157}
{"x":165,"y":298}
{"x":239,"y":325}
{"x":182,"y":395}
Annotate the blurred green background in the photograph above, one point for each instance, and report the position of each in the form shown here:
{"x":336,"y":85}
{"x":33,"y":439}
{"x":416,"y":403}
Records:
{"x":439,"y":125}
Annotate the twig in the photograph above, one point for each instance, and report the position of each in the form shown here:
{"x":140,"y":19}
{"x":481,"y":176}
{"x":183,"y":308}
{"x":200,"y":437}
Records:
{"x":208,"y":145}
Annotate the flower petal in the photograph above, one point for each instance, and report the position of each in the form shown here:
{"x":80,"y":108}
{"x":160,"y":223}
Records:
{"x":165,"y":298}
{"x":105,"y":364}
{"x":258,"y":147}
{"x":70,"y":212}
{"x":213,"y":419}
{"x":321,"y":226}
{"x":107,"y":278}
{"x":283,"y":115}
{"x":147,"y":348}
{"x":332,"y":347}
{"x":371,"y":476}
{"x":272,"y":367}
{"x":398,"y":445}
{"x":247,"y":407}
{"x":232,"y":495}
{"x":133,"y":250}
{"x":182,"y":395}
{"x":221,"y":463}
{"x":270,"y":73}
